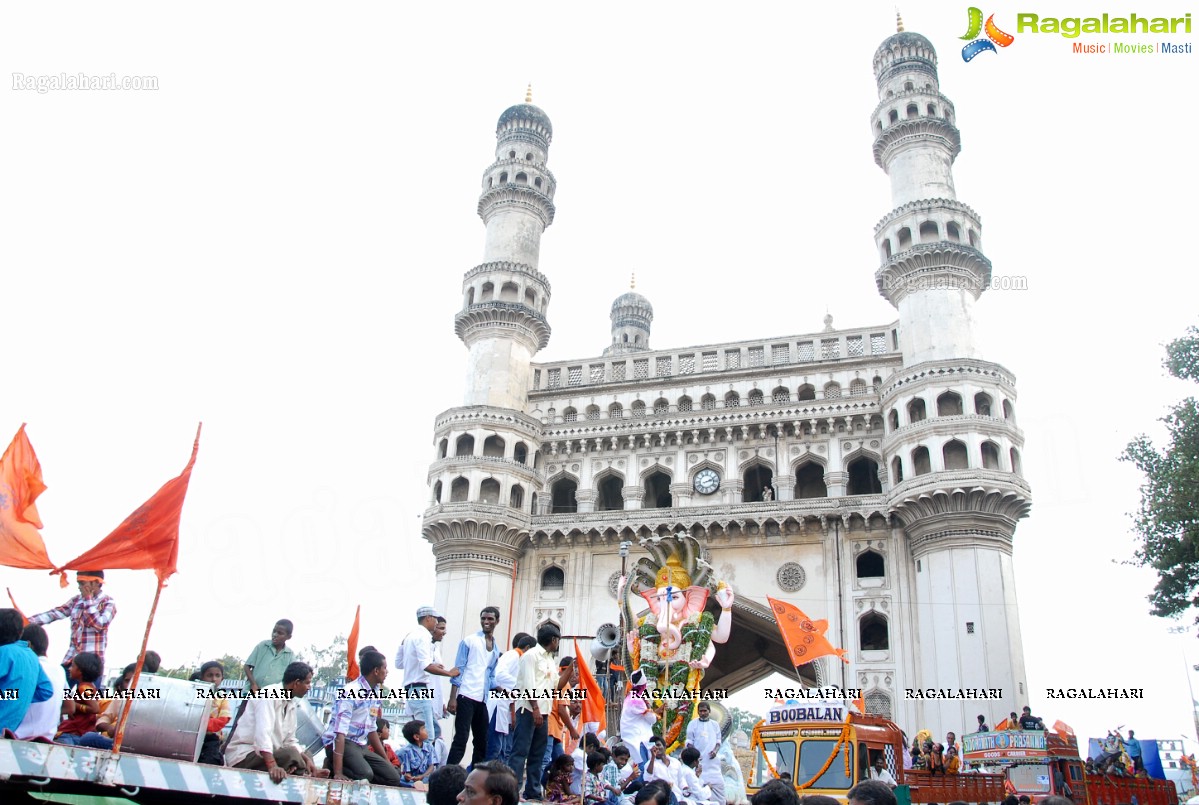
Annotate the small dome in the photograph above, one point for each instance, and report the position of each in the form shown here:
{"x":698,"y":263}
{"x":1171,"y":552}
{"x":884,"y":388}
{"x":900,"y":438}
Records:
{"x":632,"y":299}
{"x":906,"y":38}
{"x":526,"y":111}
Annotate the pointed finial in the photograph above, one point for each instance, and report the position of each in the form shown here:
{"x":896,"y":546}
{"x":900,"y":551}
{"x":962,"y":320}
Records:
{"x":633,"y":281}
{"x":529,"y":91}
{"x":898,"y":21}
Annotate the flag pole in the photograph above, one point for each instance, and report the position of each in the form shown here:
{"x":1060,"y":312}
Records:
{"x":137,"y":672}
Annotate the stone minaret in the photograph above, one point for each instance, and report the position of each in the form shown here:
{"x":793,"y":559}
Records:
{"x":952,"y":446}
{"x":631,"y":317}
{"x":487,"y":458}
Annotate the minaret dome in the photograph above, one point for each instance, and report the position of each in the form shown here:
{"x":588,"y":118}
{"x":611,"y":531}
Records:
{"x":631,"y":316}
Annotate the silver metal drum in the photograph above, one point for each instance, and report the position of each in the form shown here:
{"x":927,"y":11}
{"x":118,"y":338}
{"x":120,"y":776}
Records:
{"x":171,"y":726}
{"x":308,"y":729}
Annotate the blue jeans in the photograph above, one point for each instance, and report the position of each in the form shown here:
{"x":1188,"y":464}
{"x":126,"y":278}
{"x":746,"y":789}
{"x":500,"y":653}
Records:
{"x":528,"y":752}
{"x":499,"y":744}
{"x":423,"y":709}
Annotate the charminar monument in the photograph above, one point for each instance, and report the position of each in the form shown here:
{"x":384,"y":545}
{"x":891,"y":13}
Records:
{"x":871,"y":476}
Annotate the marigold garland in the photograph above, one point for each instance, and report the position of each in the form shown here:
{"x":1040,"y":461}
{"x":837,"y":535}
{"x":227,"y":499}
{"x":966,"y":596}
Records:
{"x":842,"y":740}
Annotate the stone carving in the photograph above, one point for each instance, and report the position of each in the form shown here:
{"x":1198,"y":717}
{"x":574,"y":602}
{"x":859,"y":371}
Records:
{"x":791,"y":577}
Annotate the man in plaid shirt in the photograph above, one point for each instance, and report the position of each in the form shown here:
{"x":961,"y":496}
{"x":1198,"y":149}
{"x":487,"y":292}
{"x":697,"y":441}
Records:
{"x":90,"y":612}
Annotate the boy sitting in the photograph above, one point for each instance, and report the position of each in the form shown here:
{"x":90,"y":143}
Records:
{"x":83,"y":705}
{"x":417,"y":760}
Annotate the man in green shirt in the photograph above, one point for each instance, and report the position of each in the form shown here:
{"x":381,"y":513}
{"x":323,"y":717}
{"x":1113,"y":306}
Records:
{"x":270,"y":658}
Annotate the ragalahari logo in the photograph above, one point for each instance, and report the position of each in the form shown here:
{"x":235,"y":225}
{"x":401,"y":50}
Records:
{"x":994,"y":35}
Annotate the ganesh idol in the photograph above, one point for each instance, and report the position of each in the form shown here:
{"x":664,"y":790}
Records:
{"x":676,"y":640}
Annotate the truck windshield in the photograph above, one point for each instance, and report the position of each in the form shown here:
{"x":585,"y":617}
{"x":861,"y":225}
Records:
{"x":781,"y":755}
{"x":813,"y":754}
{"x":1030,"y":778}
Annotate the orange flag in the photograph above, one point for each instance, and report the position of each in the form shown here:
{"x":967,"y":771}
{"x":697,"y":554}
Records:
{"x":594,"y":706}
{"x":1063,"y":730}
{"x":21,"y":612}
{"x":20,"y":483}
{"x":803,"y":637}
{"x":1003,"y":725}
{"x":860,"y":703}
{"x":352,"y":647}
{"x":149,"y":538}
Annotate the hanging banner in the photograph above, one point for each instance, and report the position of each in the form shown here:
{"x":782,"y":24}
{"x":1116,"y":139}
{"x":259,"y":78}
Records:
{"x":1002,"y":747}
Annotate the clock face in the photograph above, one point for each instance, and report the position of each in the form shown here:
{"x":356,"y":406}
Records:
{"x":706,"y":481}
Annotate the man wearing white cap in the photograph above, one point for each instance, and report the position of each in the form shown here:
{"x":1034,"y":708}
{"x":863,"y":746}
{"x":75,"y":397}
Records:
{"x":637,"y":719}
{"x":416,"y":659}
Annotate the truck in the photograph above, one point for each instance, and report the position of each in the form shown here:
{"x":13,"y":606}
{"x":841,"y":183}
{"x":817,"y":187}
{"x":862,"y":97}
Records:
{"x":827,"y":747}
{"x":1041,"y":763}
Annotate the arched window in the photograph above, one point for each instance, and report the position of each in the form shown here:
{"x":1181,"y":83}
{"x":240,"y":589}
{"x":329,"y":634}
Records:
{"x":661,"y":406}
{"x":858,"y":387}
{"x":982,"y":404}
{"x":520,"y":453}
{"x":569,"y":414}
{"x":638,"y":409}
{"x":990,"y":452}
{"x":437,"y":492}
{"x":932,"y":110}
{"x":809,"y":481}
{"x":896,"y":470}
{"x":929,"y":232}
{"x":610,"y":495}
{"x":732,"y":400}
{"x":921,"y":465}
{"x":863,"y":477}
{"x":465,"y":446}
{"x":873,"y":634}
{"x":871,"y":565}
{"x":954,"y":455}
{"x":530,"y":298}
{"x":806,"y":392}
{"x":949,"y":404}
{"x":563,"y":492}
{"x":684,"y":404}
{"x":509,"y":292}
{"x":470,"y":295}
{"x":533,"y":503}
{"x":916,"y":410}
{"x":516,"y":498}
{"x":493,"y":446}
{"x":459,"y":490}
{"x":780,"y":395}
{"x":707,"y":402}
{"x":756,"y":480}
{"x":893,"y":419}
{"x":1015,"y":455}
{"x":443,"y":448}
{"x":522,"y":178}
{"x":878,"y":703}
{"x":593,"y":412}
{"x":503,"y":177}
{"x":893,"y":116}
{"x":832,"y":391}
{"x":1008,"y":411}
{"x":755,"y":397}
{"x":615,"y":411}
{"x":553,"y":578}
{"x":905,"y":238}
{"x":953,"y":233}
{"x":657,"y":492}
{"x":489,"y":492}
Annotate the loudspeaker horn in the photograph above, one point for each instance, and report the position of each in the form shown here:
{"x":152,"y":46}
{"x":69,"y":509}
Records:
{"x":607,"y":637}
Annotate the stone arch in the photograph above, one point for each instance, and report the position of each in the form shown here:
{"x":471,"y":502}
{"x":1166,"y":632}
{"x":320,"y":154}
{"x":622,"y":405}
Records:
{"x":862,"y":469}
{"x":983,"y":404}
{"x":929,"y":232}
{"x":755,"y":397}
{"x":530,"y":298}
{"x":858,"y":387}
{"x":732,"y":400}
{"x":570,"y":414}
{"x":917,"y":410}
{"x":493,"y":446}
{"x":489,"y":492}
{"x":896,"y":470}
{"x":949,"y":404}
{"x":656,"y":483}
{"x":809,"y":479}
{"x":905,"y":238}
{"x":615,"y":411}
{"x":955,"y":455}
{"x":520,"y":453}
{"x":893,"y":419}
{"x":487,"y":292}
{"x":509,"y":292}
{"x":465,"y":445}
{"x":516,"y":497}
{"x":609,"y":489}
{"x":1015,"y":456}
{"x":952,"y":232}
{"x":593,"y":412}
{"x":990,"y":455}
{"x":459,"y":490}
{"x":832,"y":391}
{"x":781,"y":394}
{"x":443,"y":448}
{"x":756,"y":475}
{"x":661,"y":406}
{"x":553,"y":578}
{"x":1009,"y":411}
{"x":684,"y":404}
{"x":563,"y":490}
{"x":707,"y":402}
{"x":805,"y":392}
{"x":638,"y":409}
{"x":437,"y":492}
{"x":921,"y":463}
{"x":874,"y":632}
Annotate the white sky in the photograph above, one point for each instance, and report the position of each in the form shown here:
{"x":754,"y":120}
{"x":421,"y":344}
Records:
{"x":273,"y":243}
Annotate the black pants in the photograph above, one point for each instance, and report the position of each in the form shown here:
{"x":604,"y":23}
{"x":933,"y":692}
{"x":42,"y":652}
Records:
{"x":359,"y":763}
{"x":471,"y":715}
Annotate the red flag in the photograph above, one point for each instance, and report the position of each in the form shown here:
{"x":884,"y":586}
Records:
{"x":149,"y":538}
{"x":803,"y":637}
{"x":20,"y":483}
{"x":352,"y":647}
{"x":594,"y":706}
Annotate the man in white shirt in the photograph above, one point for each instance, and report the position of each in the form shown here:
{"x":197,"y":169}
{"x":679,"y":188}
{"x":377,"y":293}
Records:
{"x":417,"y":660}
{"x":661,"y":767}
{"x":536,"y":679}
{"x":879,"y":772}
{"x":691,"y":788}
{"x":637,"y":719}
{"x":41,"y":719}
{"x":704,"y":734}
{"x":499,"y":710}
{"x":477,"y":658}
{"x":265,"y":737}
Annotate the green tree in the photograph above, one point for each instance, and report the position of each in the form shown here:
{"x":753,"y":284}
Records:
{"x":329,"y":662}
{"x":1167,"y":522}
{"x":234,"y":668}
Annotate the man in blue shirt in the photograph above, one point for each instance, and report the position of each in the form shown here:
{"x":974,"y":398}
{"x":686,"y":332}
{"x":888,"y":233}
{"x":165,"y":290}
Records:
{"x":477,"y":656}
{"x":1133,"y":747}
{"x":22,"y":680}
